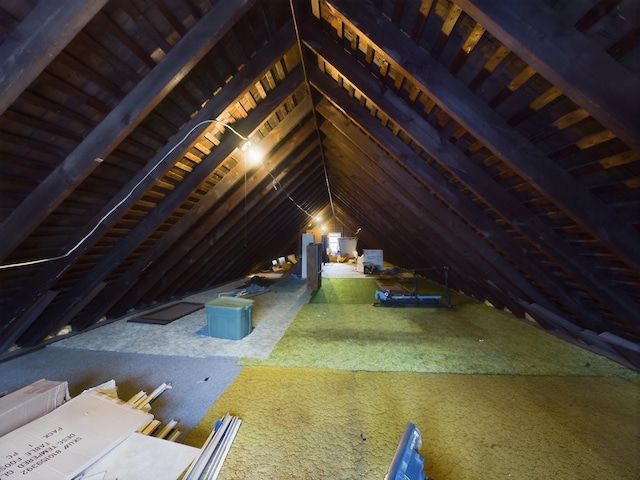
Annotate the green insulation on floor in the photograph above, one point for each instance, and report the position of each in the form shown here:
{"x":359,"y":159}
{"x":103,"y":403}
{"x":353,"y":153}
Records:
{"x":493,"y":396}
{"x":325,"y":424}
{"x":341,"y":329}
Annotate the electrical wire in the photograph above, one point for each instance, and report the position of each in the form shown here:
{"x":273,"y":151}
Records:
{"x":106,"y":215}
{"x":277,"y":185}
{"x":245,"y":146}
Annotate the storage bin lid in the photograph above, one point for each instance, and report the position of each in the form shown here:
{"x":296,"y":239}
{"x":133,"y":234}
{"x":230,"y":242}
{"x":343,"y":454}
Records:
{"x":231,"y":302}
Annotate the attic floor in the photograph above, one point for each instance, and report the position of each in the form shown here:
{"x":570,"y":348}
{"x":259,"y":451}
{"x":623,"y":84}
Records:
{"x":185,"y":336}
{"x":142,"y":356}
{"x":528,"y":417}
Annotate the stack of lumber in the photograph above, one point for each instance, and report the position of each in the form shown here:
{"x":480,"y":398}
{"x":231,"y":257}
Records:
{"x":97,"y":436}
{"x":209,"y":462}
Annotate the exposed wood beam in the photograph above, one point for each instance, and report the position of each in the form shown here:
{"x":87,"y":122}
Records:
{"x":473,"y":242}
{"x":267,"y":218}
{"x":425,"y":135}
{"x":434,"y":249}
{"x":209,"y":246}
{"x":486,"y":125}
{"x":87,"y":300}
{"x":457,"y":238}
{"x":568,"y":59}
{"x":138,"y":185}
{"x":173,"y":240}
{"x":387,"y":196}
{"x":36,"y":42}
{"x":172,"y":265}
{"x":375,"y":200}
{"x":122,"y":120}
{"x":31,"y":313}
{"x":152,"y":221}
{"x":209,"y":263}
{"x":270,"y":215}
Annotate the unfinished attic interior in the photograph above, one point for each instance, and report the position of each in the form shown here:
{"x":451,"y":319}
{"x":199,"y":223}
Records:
{"x":500,"y":140}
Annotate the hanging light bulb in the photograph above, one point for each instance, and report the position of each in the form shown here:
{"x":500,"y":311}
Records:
{"x":254,"y":155}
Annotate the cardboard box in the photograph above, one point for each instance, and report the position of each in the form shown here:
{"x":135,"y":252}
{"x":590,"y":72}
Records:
{"x":64,"y":442}
{"x":30,"y":403}
{"x":140,"y":457}
{"x":374,"y":257}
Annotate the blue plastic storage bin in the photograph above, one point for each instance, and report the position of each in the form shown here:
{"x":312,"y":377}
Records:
{"x":229,"y":317}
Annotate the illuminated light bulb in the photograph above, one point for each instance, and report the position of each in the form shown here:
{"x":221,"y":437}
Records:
{"x":254,"y":155}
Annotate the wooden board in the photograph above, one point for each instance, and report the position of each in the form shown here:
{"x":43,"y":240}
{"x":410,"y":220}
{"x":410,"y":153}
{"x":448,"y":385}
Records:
{"x":167,"y":315}
{"x":66,"y":441}
{"x":393,"y":287}
{"x":141,"y":456}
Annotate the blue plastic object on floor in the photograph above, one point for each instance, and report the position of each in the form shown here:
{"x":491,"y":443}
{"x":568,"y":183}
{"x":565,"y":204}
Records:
{"x":229,"y":317}
{"x":407,"y":462}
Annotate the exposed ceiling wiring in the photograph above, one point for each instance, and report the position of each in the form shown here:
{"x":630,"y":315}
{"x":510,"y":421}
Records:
{"x":277,"y":185}
{"x":245,"y":146}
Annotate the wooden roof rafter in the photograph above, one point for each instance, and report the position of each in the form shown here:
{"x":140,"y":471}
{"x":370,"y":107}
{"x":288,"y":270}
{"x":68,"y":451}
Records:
{"x":462,"y":120}
{"x":470,"y":175}
{"x":485,"y":125}
{"x":121,"y":285}
{"x":86,"y":157}
{"x":211,"y":110}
